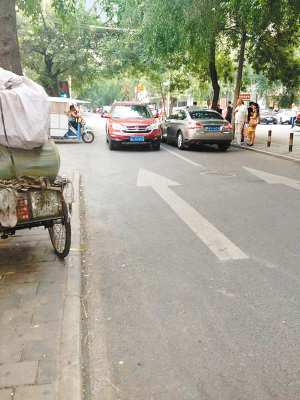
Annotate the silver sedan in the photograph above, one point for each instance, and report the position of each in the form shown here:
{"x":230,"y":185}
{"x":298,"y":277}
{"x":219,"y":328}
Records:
{"x":193,"y":125}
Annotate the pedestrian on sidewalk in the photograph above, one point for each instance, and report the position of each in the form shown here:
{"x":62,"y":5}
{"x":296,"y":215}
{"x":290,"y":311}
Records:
{"x":294,"y":114}
{"x":239,"y":119}
{"x":229,"y":110}
{"x":253,"y":124}
{"x":250,"y":111}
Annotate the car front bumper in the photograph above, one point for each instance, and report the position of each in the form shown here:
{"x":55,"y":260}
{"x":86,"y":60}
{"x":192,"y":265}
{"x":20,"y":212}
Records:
{"x":124,"y":138}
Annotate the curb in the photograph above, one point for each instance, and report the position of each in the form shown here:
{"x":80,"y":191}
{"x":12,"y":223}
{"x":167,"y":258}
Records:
{"x":297,"y":160}
{"x":70,"y":374}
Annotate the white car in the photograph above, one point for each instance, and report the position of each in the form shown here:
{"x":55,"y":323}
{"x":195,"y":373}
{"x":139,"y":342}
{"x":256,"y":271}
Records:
{"x":284,"y":116}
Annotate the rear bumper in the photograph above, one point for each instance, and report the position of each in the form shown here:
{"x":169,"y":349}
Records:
{"x":265,"y":121}
{"x":213,"y":137}
{"x":205,"y":141}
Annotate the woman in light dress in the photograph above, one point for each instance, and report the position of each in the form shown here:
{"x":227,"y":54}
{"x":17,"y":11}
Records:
{"x":253,"y":124}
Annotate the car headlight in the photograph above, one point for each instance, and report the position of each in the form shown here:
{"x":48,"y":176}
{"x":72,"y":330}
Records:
{"x":153,"y":126}
{"x":117,"y":127}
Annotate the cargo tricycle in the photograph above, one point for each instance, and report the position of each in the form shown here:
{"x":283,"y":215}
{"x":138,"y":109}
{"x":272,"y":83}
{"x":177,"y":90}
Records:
{"x":42,"y":205}
{"x":61,"y":128}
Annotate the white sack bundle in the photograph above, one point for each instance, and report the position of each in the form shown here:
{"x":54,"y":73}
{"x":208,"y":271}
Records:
{"x":8,"y":207}
{"x":26,"y":112}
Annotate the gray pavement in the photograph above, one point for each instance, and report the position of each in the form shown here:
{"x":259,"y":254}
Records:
{"x":279,"y":142}
{"x":40,"y":315}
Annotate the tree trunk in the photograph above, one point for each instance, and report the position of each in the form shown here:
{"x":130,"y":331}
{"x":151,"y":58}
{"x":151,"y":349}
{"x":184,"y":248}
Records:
{"x":10,"y":58}
{"x":212,"y":61}
{"x":55,"y":87}
{"x":240,"y":68}
{"x":215,"y":84}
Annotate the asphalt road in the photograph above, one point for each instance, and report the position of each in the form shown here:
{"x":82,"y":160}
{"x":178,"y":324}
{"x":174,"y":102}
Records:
{"x":191,"y":285}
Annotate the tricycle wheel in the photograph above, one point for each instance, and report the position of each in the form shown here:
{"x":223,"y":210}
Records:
{"x":60,"y":234}
{"x":88,"y":137}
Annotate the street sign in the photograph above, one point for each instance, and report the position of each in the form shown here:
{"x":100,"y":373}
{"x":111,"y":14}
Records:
{"x":64,"y":89}
{"x":141,"y":88}
{"x":245,"y":96}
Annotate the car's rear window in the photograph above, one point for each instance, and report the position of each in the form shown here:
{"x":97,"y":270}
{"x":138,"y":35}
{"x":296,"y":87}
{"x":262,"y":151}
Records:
{"x":205,"y":115}
{"x":125,"y":111}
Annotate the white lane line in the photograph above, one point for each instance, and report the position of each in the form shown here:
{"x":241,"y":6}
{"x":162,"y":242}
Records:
{"x":183,"y":158}
{"x":218,"y":243}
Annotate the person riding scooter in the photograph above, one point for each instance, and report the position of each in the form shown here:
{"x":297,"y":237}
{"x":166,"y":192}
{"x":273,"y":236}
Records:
{"x":72,"y":115}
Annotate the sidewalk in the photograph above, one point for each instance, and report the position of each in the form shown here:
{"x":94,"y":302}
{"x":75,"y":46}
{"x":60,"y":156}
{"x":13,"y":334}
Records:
{"x":276,"y":150}
{"x":40,"y":315}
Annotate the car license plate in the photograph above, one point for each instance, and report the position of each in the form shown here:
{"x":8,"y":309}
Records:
{"x":46,"y":203}
{"x":137,"y":138}
{"x":212,"y":128}
{"x":269,"y":119}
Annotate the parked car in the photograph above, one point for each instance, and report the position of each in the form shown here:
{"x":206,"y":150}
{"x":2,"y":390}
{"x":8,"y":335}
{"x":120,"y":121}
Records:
{"x":284,"y":116}
{"x":132,"y":123}
{"x":194,"y":125}
{"x":267,"y":117}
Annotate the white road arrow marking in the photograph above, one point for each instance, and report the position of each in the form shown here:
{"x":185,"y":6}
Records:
{"x":274,"y":179}
{"x":219,"y":244}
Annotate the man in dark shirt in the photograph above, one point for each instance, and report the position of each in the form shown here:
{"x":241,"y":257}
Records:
{"x":250,"y":111}
{"x":229,"y":112}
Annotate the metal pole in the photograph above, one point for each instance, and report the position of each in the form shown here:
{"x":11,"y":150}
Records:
{"x":108,"y":28}
{"x":291,"y":141}
{"x":269,"y":138}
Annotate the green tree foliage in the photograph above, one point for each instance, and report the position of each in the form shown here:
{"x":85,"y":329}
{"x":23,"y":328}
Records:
{"x":54,"y":47}
{"x":263,"y":33}
{"x":266,"y":32}
{"x":103,"y":93}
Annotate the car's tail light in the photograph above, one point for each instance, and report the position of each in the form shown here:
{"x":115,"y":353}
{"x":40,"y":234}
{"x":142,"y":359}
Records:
{"x":22,"y":209}
{"x":228,"y":125}
{"x":194,"y":125}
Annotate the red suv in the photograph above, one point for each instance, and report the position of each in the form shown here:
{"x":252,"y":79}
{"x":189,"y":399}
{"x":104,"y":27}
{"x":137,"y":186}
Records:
{"x":132,"y":123}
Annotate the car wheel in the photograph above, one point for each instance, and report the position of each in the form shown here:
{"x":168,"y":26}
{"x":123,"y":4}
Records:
{"x":223,"y":146}
{"x":156,"y":145}
{"x":112,"y":145}
{"x":107,"y":140}
{"x":180,"y":144}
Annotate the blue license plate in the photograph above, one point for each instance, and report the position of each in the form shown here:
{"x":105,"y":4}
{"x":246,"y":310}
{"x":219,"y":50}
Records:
{"x":212,"y":128}
{"x":137,"y":138}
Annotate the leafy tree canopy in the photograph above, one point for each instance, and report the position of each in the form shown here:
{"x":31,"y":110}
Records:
{"x":54,"y":47}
